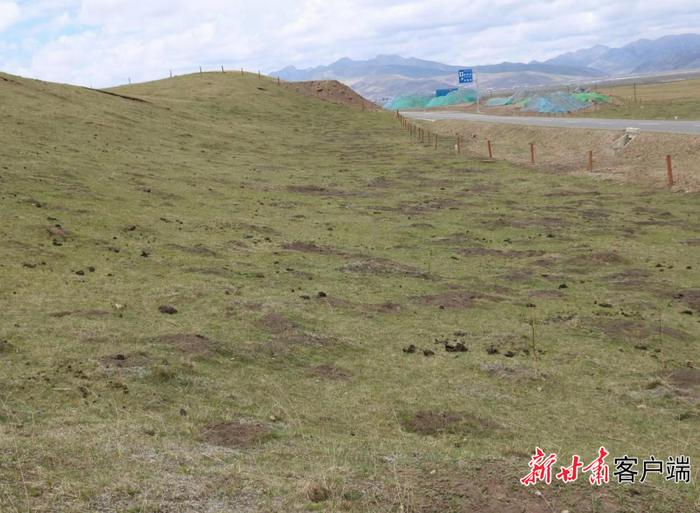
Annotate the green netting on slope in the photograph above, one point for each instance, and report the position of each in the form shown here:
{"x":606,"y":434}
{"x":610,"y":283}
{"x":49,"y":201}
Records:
{"x":410,"y":101}
{"x":453,"y":98}
{"x":499,"y":102}
{"x":592,"y":97}
{"x":417,"y":101}
{"x":554,"y":103}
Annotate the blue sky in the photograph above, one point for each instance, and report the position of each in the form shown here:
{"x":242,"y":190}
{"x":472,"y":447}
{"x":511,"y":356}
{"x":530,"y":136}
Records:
{"x":106,"y":42}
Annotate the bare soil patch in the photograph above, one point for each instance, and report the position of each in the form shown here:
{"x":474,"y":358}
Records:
{"x":516,"y":372}
{"x":194,"y":250}
{"x":237,"y":435}
{"x":453,"y":299}
{"x":691,"y":297}
{"x":126,"y":360}
{"x":600,"y":258}
{"x":687,"y":382}
{"x":384,"y":266}
{"x":277,"y":323}
{"x":89,"y":314}
{"x":331,"y":372}
{"x":637,"y":330}
{"x":446,"y":422}
{"x":387,"y":307}
{"x":311,"y":247}
{"x":332,"y":91}
{"x":285,"y":343}
{"x":189,"y":343}
{"x":493,"y":487}
{"x":315,"y":189}
{"x":288,"y":336}
{"x":429,"y":205}
{"x":501,"y":253}
{"x":685,"y":377}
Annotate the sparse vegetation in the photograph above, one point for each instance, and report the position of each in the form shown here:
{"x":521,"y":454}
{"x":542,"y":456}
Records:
{"x":304,"y":244}
{"x":668,"y":100}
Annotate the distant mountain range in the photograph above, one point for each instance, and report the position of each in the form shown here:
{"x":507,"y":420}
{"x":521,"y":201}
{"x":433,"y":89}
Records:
{"x":387,"y":76}
{"x":670,"y":53}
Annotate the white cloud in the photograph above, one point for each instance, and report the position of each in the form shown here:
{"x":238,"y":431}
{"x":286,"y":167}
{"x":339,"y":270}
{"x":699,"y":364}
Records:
{"x":104,"y":42}
{"x":9,"y":13}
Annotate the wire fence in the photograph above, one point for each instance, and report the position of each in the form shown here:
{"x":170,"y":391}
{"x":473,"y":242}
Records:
{"x":627,"y":156}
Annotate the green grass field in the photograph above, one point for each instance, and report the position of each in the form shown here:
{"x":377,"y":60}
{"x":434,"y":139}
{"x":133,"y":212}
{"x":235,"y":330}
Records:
{"x":669,"y":100}
{"x":305,"y":248}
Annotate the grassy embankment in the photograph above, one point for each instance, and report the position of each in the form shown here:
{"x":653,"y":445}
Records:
{"x":303,"y":245}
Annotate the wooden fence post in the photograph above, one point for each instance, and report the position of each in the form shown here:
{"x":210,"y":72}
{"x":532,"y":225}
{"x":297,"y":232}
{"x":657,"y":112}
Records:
{"x":532,"y":153}
{"x":490,"y":149}
{"x":436,"y":136}
{"x":459,"y":146}
{"x":590,"y":160}
{"x":669,"y":170}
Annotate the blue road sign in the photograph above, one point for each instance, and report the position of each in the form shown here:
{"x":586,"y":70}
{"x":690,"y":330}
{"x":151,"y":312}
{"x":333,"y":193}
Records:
{"x":466,"y":76}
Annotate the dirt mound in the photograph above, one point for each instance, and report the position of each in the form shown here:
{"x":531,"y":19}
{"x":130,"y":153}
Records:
{"x":189,"y":343}
{"x":597,"y":259}
{"x":637,"y":330}
{"x":457,"y":299}
{"x":691,"y":297}
{"x":90,"y":314}
{"x":277,"y":323}
{"x":331,"y":372}
{"x":316,"y":189}
{"x":384,"y":267}
{"x":446,"y":422}
{"x":237,"y":434}
{"x":332,"y":91}
{"x":310,"y":247}
{"x":687,"y":382}
{"x":125,"y":361}
{"x":387,"y":307}
{"x":687,"y":377}
{"x":492,"y":487}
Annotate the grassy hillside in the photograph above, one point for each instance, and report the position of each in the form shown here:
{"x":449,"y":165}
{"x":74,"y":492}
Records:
{"x":209,"y":297}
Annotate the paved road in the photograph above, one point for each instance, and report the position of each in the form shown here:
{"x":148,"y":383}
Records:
{"x":673,"y":127}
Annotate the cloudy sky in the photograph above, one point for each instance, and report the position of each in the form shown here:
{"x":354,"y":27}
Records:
{"x":105,"y":42}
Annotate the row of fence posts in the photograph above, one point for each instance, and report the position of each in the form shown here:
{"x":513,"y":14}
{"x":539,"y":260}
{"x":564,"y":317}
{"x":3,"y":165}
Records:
{"x":223,"y":70}
{"x":420,"y":134}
